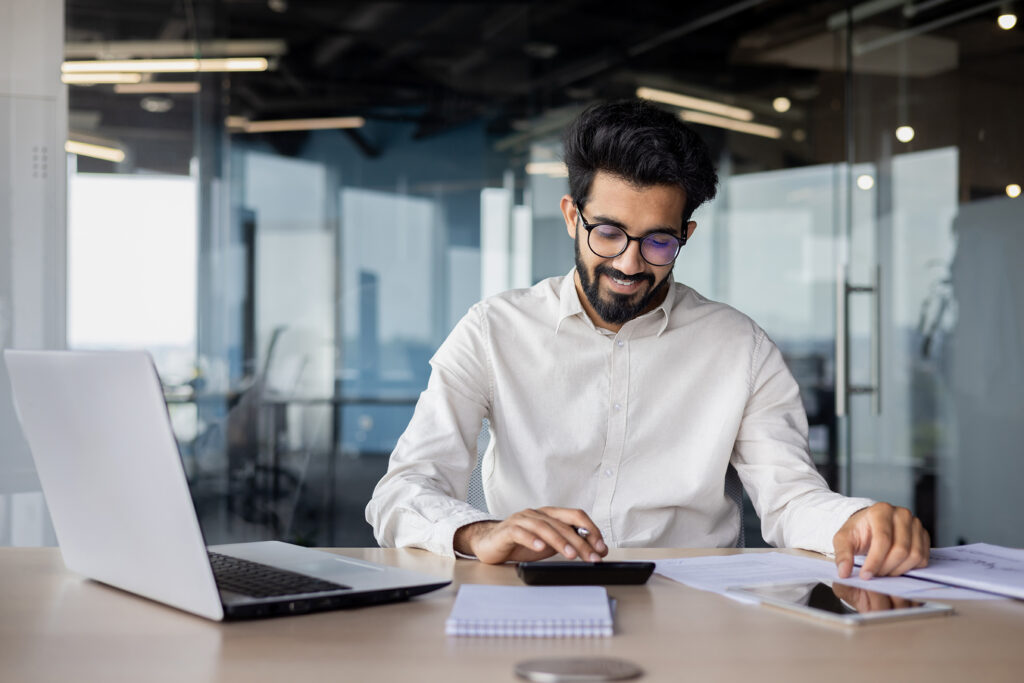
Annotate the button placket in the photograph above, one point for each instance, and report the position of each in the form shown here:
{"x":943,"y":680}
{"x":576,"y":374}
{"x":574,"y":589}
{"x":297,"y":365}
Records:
{"x":618,"y":389}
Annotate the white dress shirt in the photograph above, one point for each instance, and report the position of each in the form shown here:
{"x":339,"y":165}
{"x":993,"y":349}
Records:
{"x":636,"y":428}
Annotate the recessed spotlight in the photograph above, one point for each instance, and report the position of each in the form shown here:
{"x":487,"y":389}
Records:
{"x":904,"y":133}
{"x":865,"y":181}
{"x":539,"y":50}
{"x":1013,"y":190}
{"x":157,"y":105}
{"x":781,"y":104}
{"x":1007,"y":20}
{"x":799,"y":134}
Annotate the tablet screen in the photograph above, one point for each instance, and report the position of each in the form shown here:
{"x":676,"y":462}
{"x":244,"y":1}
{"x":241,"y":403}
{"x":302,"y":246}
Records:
{"x":837,"y":598}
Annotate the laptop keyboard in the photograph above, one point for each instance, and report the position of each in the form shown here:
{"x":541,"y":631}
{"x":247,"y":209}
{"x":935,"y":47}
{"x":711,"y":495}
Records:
{"x":262,"y":581}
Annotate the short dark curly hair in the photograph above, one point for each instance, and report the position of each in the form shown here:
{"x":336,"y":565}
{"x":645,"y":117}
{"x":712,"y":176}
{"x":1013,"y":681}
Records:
{"x":641,"y":144}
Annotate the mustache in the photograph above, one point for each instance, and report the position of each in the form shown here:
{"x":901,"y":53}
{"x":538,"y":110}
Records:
{"x":619,"y":275}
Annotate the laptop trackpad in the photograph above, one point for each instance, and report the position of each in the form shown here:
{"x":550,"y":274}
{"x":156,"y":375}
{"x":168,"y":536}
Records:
{"x":337,"y":566}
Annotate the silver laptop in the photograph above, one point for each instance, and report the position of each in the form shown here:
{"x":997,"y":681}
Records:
{"x":112,"y":475}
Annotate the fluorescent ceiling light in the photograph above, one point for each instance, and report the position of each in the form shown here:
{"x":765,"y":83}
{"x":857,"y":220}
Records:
{"x":94,"y":78}
{"x":555,"y":169}
{"x":87,"y":149}
{"x":167,"y":65}
{"x":731,"y":124}
{"x":286,"y":125}
{"x":236,"y":123}
{"x":677,"y":100}
{"x":157,"y":87}
{"x":155,"y":49}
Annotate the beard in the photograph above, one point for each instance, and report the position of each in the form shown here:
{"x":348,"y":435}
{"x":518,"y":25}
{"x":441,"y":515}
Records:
{"x":616,"y":309}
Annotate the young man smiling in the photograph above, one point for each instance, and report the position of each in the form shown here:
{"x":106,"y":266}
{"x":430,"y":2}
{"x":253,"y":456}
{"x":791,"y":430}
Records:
{"x":618,"y":398}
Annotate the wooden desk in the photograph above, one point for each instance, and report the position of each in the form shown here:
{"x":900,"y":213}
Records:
{"x":56,"y":626}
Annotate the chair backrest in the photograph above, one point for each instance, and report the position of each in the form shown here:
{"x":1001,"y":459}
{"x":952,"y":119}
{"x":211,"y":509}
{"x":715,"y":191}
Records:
{"x":475,"y":495}
{"x":734,"y":489}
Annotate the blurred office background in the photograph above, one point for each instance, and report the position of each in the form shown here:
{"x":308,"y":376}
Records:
{"x":294,"y":222}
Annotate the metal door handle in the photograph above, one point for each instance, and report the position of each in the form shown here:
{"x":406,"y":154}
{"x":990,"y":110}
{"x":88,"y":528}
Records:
{"x":843,"y":387}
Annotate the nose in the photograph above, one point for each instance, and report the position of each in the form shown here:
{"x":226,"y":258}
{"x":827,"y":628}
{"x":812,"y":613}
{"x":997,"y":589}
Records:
{"x":630,"y":261}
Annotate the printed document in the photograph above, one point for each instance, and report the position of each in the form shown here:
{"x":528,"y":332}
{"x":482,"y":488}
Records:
{"x":981,"y":566}
{"x":719,"y":573}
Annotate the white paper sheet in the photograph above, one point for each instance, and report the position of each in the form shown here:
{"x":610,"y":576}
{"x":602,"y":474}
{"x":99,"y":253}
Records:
{"x":981,"y":566}
{"x":720,"y":572}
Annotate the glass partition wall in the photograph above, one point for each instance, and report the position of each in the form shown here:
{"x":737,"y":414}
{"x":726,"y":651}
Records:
{"x":292,"y":222}
{"x":935,"y":91}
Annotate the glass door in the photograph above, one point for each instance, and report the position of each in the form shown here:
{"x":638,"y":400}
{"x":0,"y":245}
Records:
{"x":929,"y":323}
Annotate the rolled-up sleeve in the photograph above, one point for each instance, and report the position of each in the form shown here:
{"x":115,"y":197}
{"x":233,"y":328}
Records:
{"x":420,"y":502}
{"x":771,"y":457}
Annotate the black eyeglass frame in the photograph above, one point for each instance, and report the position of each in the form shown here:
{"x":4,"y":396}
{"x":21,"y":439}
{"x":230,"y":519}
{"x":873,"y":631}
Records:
{"x":589,"y":227}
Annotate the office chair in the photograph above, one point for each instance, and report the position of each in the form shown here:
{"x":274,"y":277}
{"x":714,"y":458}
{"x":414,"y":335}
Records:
{"x":255,"y":489}
{"x":734,"y":489}
{"x":475,"y":494}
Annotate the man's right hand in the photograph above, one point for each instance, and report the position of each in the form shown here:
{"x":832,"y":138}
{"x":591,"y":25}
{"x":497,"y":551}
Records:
{"x":532,"y":535}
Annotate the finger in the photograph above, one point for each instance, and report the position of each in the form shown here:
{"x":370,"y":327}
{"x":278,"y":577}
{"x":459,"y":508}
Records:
{"x":918,"y":549}
{"x":842,"y":544}
{"x":863,"y":601}
{"x":570,"y":520}
{"x":880,"y":539}
{"x":520,"y":531}
{"x":528,"y":546}
{"x":902,"y":521}
{"x":926,"y":541}
{"x":527,"y":539}
{"x":559,"y":536}
{"x":508,"y":541}
{"x":901,"y":603}
{"x":580,"y":519}
{"x":878,"y":602}
{"x":845,"y":592}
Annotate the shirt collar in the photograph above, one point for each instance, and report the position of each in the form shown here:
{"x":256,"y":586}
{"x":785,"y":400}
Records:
{"x":569,"y":305}
{"x":569,"y":301}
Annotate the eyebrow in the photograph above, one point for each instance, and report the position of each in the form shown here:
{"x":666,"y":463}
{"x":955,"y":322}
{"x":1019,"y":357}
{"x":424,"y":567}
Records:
{"x":608,"y":220}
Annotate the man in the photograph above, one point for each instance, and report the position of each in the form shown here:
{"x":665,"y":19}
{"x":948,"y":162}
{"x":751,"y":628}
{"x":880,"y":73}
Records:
{"x":618,"y":398}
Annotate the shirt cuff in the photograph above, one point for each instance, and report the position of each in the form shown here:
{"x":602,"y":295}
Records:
{"x":838,"y":519}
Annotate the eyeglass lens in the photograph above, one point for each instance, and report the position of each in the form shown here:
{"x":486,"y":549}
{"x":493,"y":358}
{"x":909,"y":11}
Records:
{"x":658,"y":248}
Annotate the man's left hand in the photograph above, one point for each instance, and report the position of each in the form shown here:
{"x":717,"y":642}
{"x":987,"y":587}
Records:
{"x":892,"y":538}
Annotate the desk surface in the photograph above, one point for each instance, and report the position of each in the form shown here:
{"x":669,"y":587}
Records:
{"x":57,"y":626}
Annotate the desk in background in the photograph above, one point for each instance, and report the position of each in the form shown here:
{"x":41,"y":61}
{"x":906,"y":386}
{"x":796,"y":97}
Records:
{"x":57,"y":626}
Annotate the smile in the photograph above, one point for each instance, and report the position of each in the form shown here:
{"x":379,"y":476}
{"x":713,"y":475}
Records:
{"x":624,"y":286}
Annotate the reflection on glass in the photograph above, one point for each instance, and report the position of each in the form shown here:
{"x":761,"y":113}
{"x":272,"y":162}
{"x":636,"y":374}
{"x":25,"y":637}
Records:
{"x":293,"y":284}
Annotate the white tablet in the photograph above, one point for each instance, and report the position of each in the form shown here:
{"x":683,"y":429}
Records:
{"x":839,"y":603}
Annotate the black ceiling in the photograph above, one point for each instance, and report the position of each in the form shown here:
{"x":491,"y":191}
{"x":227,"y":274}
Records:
{"x":443,"y":64}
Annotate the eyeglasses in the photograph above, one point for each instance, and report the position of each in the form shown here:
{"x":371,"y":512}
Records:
{"x":608,"y":241}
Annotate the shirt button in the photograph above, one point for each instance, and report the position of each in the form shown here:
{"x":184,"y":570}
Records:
{"x":621,"y":343}
{"x":609,"y":472}
{"x":618,"y":406}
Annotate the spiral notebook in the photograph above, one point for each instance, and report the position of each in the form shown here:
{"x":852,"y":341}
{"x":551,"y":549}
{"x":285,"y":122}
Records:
{"x":531,"y":611}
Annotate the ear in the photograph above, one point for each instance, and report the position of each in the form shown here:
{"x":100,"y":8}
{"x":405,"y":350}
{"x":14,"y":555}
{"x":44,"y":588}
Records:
{"x":569,"y":214}
{"x":691,"y":227}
